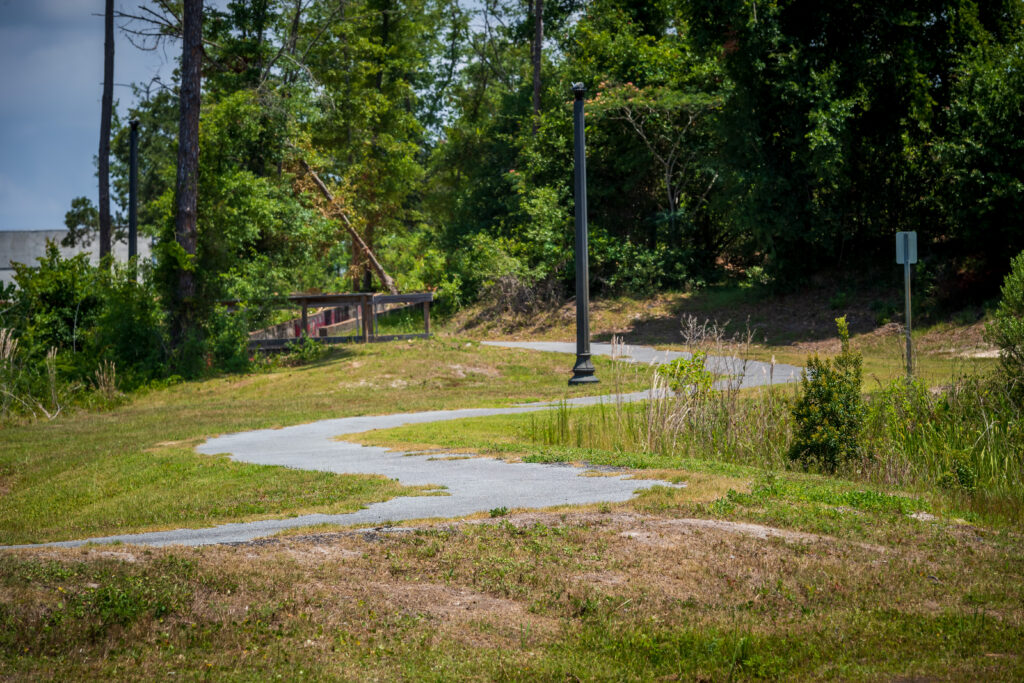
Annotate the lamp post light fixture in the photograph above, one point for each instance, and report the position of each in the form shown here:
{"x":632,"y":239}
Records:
{"x":583,"y":371}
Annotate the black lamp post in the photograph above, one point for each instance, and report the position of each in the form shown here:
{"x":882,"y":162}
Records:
{"x":583,"y":371}
{"x":133,"y":190}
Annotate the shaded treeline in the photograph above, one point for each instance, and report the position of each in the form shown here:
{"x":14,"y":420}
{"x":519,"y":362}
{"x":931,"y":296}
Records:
{"x":726,"y":139}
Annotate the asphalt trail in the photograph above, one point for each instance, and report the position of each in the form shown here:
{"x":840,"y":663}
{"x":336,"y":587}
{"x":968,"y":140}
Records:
{"x":463,"y":486}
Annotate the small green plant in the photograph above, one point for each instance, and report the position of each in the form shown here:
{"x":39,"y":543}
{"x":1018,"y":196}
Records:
{"x":884,"y":311}
{"x":499,"y":512}
{"x":756,"y":276}
{"x":684,"y":374}
{"x":829,"y":413}
{"x":305,"y":350}
{"x":961,"y":475}
{"x":1007,"y":328}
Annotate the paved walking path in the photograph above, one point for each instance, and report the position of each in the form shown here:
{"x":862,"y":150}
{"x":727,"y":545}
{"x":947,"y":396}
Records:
{"x":465,"y":486}
{"x":748,"y":373}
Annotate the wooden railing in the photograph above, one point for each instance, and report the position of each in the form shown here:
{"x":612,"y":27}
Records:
{"x":366,"y":305}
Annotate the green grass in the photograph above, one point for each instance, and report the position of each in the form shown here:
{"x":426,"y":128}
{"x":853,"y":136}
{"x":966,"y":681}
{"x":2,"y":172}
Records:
{"x":134,"y":467}
{"x":885,"y":358}
{"x":959,"y":448}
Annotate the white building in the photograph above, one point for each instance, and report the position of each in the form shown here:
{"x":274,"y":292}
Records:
{"x":25,"y":246}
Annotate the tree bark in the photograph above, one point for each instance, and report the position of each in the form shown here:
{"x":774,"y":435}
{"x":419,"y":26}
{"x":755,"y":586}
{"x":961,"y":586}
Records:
{"x":538,"y":42}
{"x":187,"y":183}
{"x":357,"y":241}
{"x":105,"y":115}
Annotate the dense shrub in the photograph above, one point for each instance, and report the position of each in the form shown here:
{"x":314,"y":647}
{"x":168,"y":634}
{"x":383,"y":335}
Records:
{"x":129,"y":328}
{"x":55,"y":304}
{"x":1007,"y":328}
{"x":89,"y":315}
{"x":828,"y":416}
{"x":227,"y":339}
{"x":69,"y":329}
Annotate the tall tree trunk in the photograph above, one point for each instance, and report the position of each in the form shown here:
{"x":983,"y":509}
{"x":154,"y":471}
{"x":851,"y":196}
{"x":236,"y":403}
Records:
{"x":187,"y":185}
{"x":536,"y":52}
{"x":105,"y":114}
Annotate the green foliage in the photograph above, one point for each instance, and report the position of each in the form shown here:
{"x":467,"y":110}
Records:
{"x":228,"y":339}
{"x":964,"y":439}
{"x":719,"y":134}
{"x":82,"y":222}
{"x":961,"y":475}
{"x":688,"y":374}
{"x":130,"y":328}
{"x":828,"y":416}
{"x":1006,"y":330}
{"x":55,"y":303}
{"x":69,"y":321}
{"x":825,"y":140}
{"x":305,"y":350}
{"x":981,"y":158}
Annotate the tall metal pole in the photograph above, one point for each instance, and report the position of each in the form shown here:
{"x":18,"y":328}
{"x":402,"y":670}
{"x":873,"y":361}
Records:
{"x":583,"y":371}
{"x":133,"y":191}
{"x":906,"y":300}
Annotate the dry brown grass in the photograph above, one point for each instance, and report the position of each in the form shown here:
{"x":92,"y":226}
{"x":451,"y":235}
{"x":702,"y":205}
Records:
{"x":476,"y":596}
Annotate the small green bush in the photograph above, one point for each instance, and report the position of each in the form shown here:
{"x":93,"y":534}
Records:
{"x":829,"y":412}
{"x":684,"y":374}
{"x":1007,"y":328}
{"x":304,"y":350}
{"x":961,"y":475}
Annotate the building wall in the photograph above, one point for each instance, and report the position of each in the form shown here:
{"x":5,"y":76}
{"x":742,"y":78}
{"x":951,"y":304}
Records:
{"x":25,"y":246}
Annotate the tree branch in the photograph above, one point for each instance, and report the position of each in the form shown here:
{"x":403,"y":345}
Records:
{"x":386,"y":279}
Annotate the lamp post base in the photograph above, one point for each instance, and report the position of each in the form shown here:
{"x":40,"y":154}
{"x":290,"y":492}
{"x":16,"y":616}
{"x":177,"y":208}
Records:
{"x":583,"y":371}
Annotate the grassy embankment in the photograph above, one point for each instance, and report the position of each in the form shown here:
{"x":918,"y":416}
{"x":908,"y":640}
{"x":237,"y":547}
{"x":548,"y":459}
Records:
{"x":134,"y":467}
{"x":747,"y":572}
{"x":915,"y":439}
{"x":786,"y":327}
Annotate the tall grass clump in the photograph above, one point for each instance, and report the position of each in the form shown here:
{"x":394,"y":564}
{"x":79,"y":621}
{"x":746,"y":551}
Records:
{"x":966,"y":438}
{"x":687,"y":415}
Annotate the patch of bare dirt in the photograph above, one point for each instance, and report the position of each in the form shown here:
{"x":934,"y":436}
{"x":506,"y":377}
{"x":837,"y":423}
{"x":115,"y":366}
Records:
{"x":169,"y":444}
{"x":461,"y":371}
{"x":459,"y":604}
{"x":667,"y":532}
{"x":965,"y":341}
{"x":804,"y":316}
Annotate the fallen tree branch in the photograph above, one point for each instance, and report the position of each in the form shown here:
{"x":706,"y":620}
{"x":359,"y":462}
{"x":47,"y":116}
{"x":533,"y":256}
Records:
{"x":386,"y":279}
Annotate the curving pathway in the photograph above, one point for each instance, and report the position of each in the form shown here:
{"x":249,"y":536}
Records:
{"x":742,"y":373}
{"x":464,"y":485}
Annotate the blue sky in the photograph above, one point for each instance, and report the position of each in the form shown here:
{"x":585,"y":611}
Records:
{"x":51,"y":81}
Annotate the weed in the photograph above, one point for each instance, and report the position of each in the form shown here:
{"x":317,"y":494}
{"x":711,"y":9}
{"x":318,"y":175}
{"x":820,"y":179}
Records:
{"x":839,"y":300}
{"x":303,"y":351}
{"x":828,"y":416}
{"x":688,"y":374}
